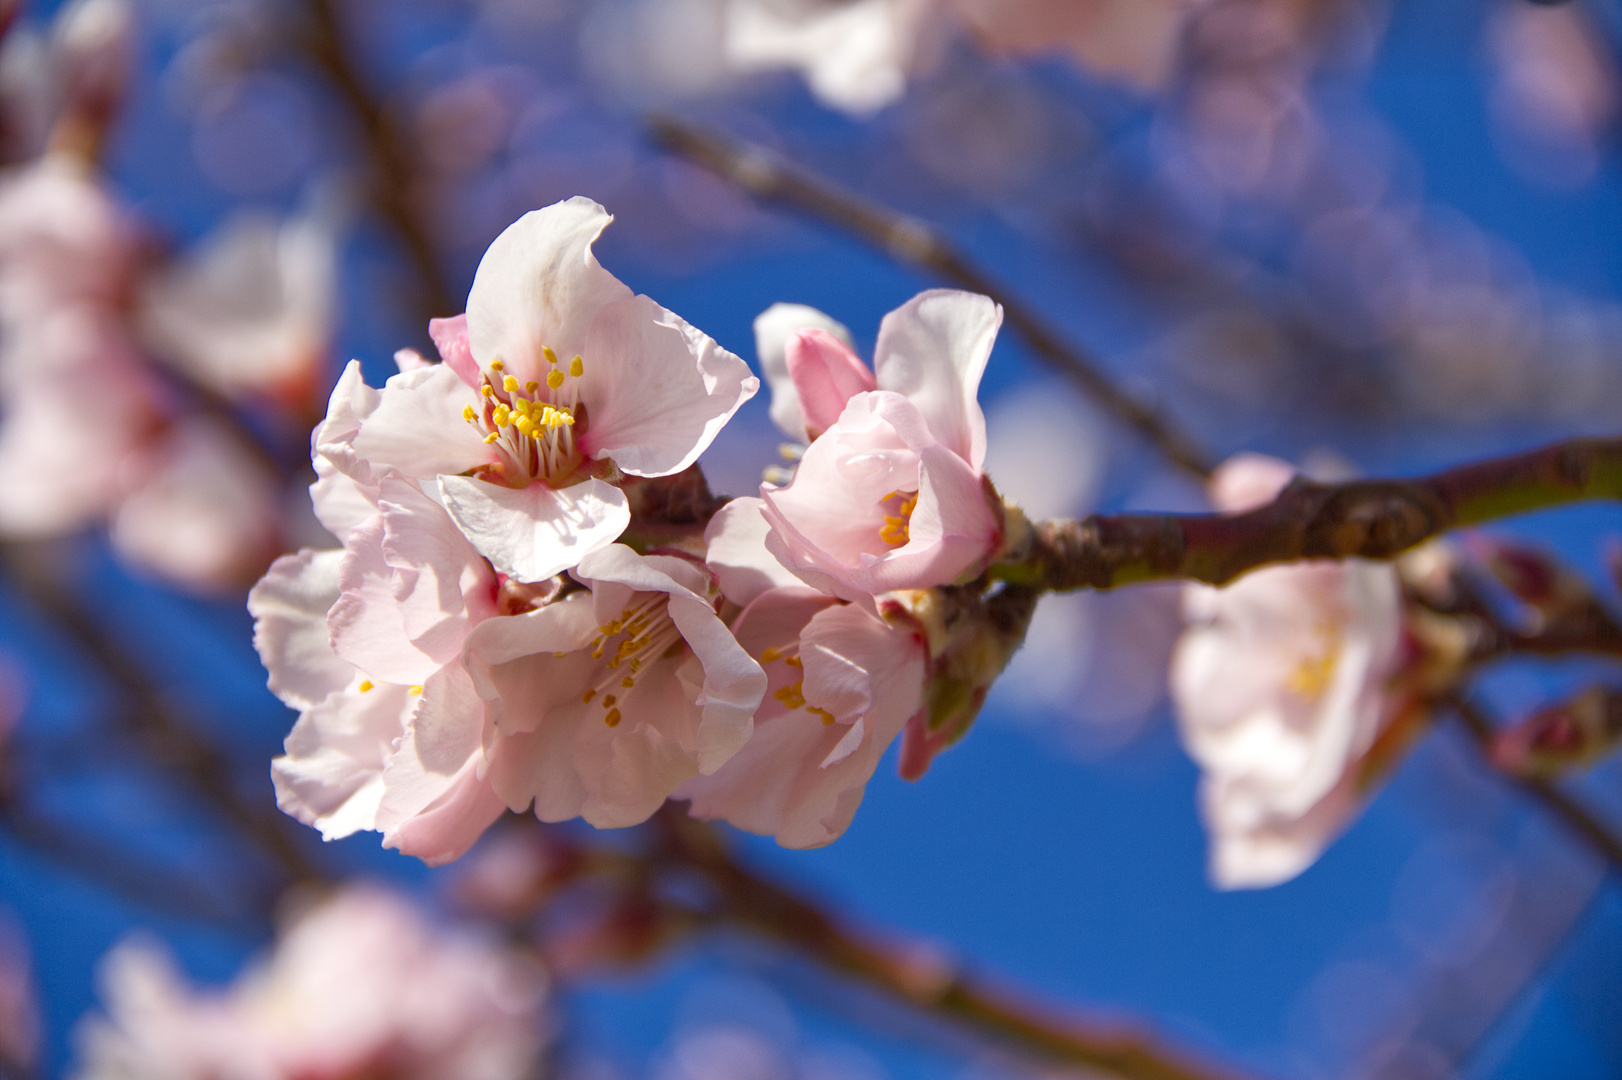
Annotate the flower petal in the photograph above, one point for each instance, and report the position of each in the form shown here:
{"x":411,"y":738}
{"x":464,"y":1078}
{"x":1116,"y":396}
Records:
{"x":451,"y":339}
{"x":933,"y":350}
{"x":331,"y":776}
{"x":533,"y":533}
{"x":736,"y":552}
{"x":418,"y":429}
{"x":826,"y":374}
{"x":289,"y":608}
{"x":657,"y":390}
{"x":539,"y":286}
{"x":772,"y":329}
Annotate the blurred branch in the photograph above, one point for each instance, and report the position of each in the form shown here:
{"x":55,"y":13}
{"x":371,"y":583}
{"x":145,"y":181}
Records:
{"x":169,"y":742}
{"x":392,"y":183}
{"x":1371,"y":519}
{"x":1571,"y":813}
{"x":914,"y":976}
{"x":768,"y":176}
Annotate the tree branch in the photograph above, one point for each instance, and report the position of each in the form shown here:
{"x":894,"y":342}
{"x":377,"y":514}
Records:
{"x":1371,"y":519}
{"x":1571,"y":813}
{"x":391,"y":184}
{"x":929,"y":985}
{"x":767,"y":176}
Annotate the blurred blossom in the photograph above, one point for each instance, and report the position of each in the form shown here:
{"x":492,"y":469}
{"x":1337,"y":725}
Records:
{"x":360,"y":985}
{"x":648,"y":51}
{"x":19,"y":1014}
{"x":205,"y":512}
{"x":1554,"y":92}
{"x":251,"y":308}
{"x":1046,"y":450}
{"x":1286,"y":696}
{"x":858,"y":55}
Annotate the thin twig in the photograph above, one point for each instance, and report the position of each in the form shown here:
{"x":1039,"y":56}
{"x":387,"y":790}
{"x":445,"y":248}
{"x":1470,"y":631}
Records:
{"x":768,"y":176}
{"x":392,"y":185}
{"x":1371,"y":519}
{"x":919,"y":978}
{"x":1571,"y":813}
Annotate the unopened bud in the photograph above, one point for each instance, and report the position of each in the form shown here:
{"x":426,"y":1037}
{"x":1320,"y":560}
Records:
{"x":1569,"y":736}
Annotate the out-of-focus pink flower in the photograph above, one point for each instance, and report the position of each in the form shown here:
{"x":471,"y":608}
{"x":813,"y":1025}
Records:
{"x":63,"y":242}
{"x":890,"y":495}
{"x":362,"y":985}
{"x":205,"y":513}
{"x":1284,"y":684}
{"x":842,"y":685}
{"x":250,"y":310}
{"x":607,"y":700}
{"x":858,"y":56}
{"x":558,"y":381}
{"x":367,"y":644}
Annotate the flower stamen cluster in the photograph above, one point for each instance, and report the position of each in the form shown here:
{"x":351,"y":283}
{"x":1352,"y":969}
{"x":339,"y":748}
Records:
{"x":535,"y":431}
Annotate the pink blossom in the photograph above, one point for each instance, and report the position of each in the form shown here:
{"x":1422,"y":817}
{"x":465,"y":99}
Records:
{"x":890,"y":495}
{"x":366,"y":643}
{"x":842,"y":685}
{"x":64,"y":241}
{"x":564,"y":380}
{"x":1283,"y":684}
{"x":362,"y":985}
{"x":607,"y":700}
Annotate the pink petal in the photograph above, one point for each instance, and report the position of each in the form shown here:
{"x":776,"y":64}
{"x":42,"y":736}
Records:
{"x":331,"y":776}
{"x":418,"y":428}
{"x":826,"y":374}
{"x":535,"y":532}
{"x":441,"y":585}
{"x":772,"y":330}
{"x":736,"y":552}
{"x":365,"y":622}
{"x":289,"y":609}
{"x":451,"y":339}
{"x":656,"y":389}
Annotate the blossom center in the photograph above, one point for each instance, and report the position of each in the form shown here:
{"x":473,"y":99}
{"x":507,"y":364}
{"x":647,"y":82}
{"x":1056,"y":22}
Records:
{"x":898,"y":507}
{"x":532,"y":425}
{"x":792,"y":695}
{"x":1313,"y":672}
{"x":641,"y":634}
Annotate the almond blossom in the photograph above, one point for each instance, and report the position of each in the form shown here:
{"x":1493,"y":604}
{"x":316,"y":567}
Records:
{"x":858,"y":56}
{"x":842,"y":685}
{"x":359,"y":641}
{"x":606,"y":700}
{"x":890,"y":494}
{"x":555,"y":383}
{"x":361,"y":985}
{"x":1285,"y":684}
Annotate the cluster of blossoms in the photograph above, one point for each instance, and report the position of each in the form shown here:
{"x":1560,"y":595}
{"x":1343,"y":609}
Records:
{"x":93,"y":429}
{"x":360,"y":986}
{"x":507,"y":625}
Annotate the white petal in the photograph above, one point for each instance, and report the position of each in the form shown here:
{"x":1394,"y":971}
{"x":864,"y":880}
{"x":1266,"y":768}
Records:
{"x":418,"y":428}
{"x":536,"y":532}
{"x":933,"y":350}
{"x":289,"y":607}
{"x":736,"y":542}
{"x":539,"y":286}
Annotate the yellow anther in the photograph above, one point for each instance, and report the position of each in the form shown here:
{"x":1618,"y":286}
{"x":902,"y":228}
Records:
{"x":365,"y":686}
{"x":827,"y":717}
{"x":496,"y":365}
{"x":531,"y":386}
{"x":551,"y":357}
{"x":502,"y":415}
{"x":611,"y":628}
{"x":521,"y":406}
{"x":468,"y":413}
{"x":576,"y":367}
{"x":613,"y":718}
{"x":627,"y":682}
{"x":509,"y":384}
{"x":559,"y":655}
{"x":414,"y":691}
{"x":794,"y":661}
{"x":487,"y":390}
{"x":492,"y":437}
{"x":635,"y":665}
{"x":771,"y":654}
{"x":554,"y":378}
{"x":608,"y":701}
{"x":792,"y":696}
{"x":525,"y":425}
{"x":585,"y":699}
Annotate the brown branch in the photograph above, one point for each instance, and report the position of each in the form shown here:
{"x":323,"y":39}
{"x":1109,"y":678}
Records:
{"x":392,"y":184}
{"x":933,"y":987}
{"x":1371,"y":519}
{"x":768,"y":176}
{"x":1571,"y":813}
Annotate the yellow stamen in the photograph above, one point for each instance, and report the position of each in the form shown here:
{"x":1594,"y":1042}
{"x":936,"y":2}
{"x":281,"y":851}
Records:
{"x":771,"y":654}
{"x":365,"y":686}
{"x":576,"y":367}
{"x":585,"y":699}
{"x":627,"y":682}
{"x":794,"y":661}
{"x":501,"y":416}
{"x":608,"y":701}
{"x":414,"y":691}
{"x":509,"y":384}
{"x":554,"y":378}
{"x":492,"y":437}
{"x":496,"y":365}
{"x":468,"y":413}
{"x":613,"y":718}
{"x":487,"y":390}
{"x":827,"y":717}
{"x":531,"y":386}
{"x":551,"y":357}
